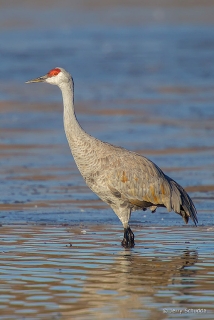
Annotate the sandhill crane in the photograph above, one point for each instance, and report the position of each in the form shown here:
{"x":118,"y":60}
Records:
{"x":123,"y":179}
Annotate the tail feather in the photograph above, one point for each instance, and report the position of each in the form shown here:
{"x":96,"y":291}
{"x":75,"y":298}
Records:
{"x":181,"y":203}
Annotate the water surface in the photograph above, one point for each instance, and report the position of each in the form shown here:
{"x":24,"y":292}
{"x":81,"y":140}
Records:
{"x":81,"y":272}
{"x":144,"y":80}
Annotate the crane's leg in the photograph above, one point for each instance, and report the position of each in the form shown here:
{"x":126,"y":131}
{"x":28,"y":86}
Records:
{"x":124,"y":214}
{"x":128,"y":239}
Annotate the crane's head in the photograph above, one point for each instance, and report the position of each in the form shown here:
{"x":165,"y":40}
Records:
{"x":56,"y":76}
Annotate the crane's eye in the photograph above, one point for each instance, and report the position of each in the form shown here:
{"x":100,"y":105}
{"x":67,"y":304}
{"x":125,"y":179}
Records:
{"x":54,"y":72}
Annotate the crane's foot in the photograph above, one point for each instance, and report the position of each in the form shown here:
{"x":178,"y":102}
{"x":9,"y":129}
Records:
{"x":128,"y":240}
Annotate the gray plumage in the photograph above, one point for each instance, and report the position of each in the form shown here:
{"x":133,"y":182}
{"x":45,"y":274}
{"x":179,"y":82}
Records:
{"x":125,"y":180}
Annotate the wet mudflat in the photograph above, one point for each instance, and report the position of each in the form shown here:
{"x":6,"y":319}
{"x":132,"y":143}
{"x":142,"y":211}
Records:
{"x":144,"y":80}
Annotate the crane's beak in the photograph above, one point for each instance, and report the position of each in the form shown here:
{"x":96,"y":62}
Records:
{"x":40,"y":79}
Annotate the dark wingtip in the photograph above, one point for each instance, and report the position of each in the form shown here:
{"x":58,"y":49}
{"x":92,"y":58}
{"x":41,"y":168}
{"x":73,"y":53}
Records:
{"x":187,"y":207}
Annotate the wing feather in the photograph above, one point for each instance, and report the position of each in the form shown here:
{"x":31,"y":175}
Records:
{"x":139,"y":181}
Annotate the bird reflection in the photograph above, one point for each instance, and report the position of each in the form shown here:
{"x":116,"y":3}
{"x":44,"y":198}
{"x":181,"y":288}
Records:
{"x":131,"y":280}
{"x":156,"y":270}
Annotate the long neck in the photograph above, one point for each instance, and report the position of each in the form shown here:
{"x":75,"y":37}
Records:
{"x":83,"y":146}
{"x":80,"y":142}
{"x":72,"y":127}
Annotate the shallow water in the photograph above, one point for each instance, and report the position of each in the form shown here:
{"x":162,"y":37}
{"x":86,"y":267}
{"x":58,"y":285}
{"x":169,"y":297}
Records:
{"x":81,"y":272}
{"x":144,"y":79}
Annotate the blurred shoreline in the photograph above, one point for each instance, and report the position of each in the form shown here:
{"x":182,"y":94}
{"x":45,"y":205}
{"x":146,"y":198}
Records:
{"x":27,"y":14}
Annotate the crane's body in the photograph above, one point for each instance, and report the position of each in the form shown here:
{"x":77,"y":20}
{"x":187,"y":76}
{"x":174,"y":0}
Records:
{"x":125,"y":180}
